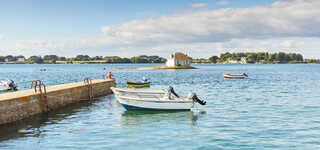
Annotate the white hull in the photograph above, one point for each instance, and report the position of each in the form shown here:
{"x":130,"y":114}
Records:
{"x":241,"y":76}
{"x":5,"y":85}
{"x":130,"y":103}
{"x":4,"y":88}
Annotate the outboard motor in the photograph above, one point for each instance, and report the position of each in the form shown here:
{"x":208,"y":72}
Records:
{"x":195,"y":98}
{"x":245,"y":74}
{"x":170,"y":90}
{"x":12,"y":85}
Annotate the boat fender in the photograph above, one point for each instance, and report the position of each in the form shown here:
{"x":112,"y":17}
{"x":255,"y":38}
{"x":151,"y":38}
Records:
{"x":195,"y":98}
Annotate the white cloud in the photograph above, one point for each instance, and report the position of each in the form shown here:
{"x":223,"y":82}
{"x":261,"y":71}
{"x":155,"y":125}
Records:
{"x":198,"y":5}
{"x":298,"y":18}
{"x":1,"y":37}
{"x":224,"y":2}
{"x":291,"y":43}
{"x":287,"y":43}
{"x":283,"y":25}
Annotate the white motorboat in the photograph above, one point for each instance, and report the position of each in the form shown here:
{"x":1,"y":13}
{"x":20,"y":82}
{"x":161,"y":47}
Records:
{"x":8,"y":85}
{"x":131,"y":98}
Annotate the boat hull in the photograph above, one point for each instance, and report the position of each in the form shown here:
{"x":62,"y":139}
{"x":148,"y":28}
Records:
{"x":138,"y":84}
{"x":233,"y":76}
{"x":8,"y":85}
{"x":130,"y":107}
{"x":133,"y":104}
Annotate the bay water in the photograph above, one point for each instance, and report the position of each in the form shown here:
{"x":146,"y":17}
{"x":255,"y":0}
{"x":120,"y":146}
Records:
{"x":276,"y":107}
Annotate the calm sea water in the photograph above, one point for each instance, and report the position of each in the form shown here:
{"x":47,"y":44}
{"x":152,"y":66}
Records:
{"x":277,"y":107}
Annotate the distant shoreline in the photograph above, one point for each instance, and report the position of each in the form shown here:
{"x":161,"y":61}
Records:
{"x":224,"y":58}
{"x":158,"y":67}
{"x":84,"y":62}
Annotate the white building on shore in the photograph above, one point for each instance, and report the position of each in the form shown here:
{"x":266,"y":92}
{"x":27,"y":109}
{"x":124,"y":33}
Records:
{"x":178,"y":59}
{"x":21,"y":59}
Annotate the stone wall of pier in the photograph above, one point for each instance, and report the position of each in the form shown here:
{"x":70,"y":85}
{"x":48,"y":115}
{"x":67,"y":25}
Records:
{"x":22,"y":104}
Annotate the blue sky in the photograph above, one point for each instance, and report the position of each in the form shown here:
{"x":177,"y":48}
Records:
{"x":46,"y":26}
{"x":33,"y":19}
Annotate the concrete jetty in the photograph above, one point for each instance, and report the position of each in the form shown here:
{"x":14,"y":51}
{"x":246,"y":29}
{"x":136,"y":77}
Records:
{"x":21,"y":104}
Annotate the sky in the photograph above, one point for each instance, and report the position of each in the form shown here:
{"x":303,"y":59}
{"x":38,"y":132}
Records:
{"x":125,"y":28}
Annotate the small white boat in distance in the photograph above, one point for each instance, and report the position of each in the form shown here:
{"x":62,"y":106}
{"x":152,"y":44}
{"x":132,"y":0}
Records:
{"x":238,"y":76}
{"x":8,"y":85}
{"x":131,"y":98}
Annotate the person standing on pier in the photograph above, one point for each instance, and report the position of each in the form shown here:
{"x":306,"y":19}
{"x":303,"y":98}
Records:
{"x":109,"y":75}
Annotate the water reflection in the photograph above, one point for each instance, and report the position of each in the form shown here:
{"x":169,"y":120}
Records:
{"x":31,"y":127}
{"x":138,"y":117}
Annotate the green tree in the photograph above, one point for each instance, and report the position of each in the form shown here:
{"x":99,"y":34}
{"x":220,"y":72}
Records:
{"x":213,"y":59}
{"x":251,"y":58}
{"x":260,"y":56}
{"x":225,"y":56}
{"x":272,"y":57}
{"x":280,"y":57}
{"x":50,"y":59}
{"x":10,"y":58}
{"x":35,"y":59}
{"x":299,"y":57}
{"x":2,"y":59}
{"x":62,"y":58}
{"x":82,"y":58}
{"x":96,"y":58}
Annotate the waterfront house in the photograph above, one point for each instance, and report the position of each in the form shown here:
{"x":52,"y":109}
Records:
{"x":21,"y":59}
{"x":243,"y":60}
{"x":178,"y":59}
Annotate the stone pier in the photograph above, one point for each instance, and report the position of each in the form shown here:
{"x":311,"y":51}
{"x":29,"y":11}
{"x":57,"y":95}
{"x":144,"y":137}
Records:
{"x":21,"y":104}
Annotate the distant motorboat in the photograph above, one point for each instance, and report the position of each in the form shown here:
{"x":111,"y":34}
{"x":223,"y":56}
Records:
{"x":131,"y":98}
{"x":8,"y":85}
{"x":240,"y":76}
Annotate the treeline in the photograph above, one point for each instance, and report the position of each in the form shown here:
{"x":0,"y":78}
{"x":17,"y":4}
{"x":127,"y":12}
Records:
{"x":313,"y":61}
{"x":258,"y":57}
{"x":51,"y":59}
{"x":11,"y":58}
{"x":251,"y":57}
